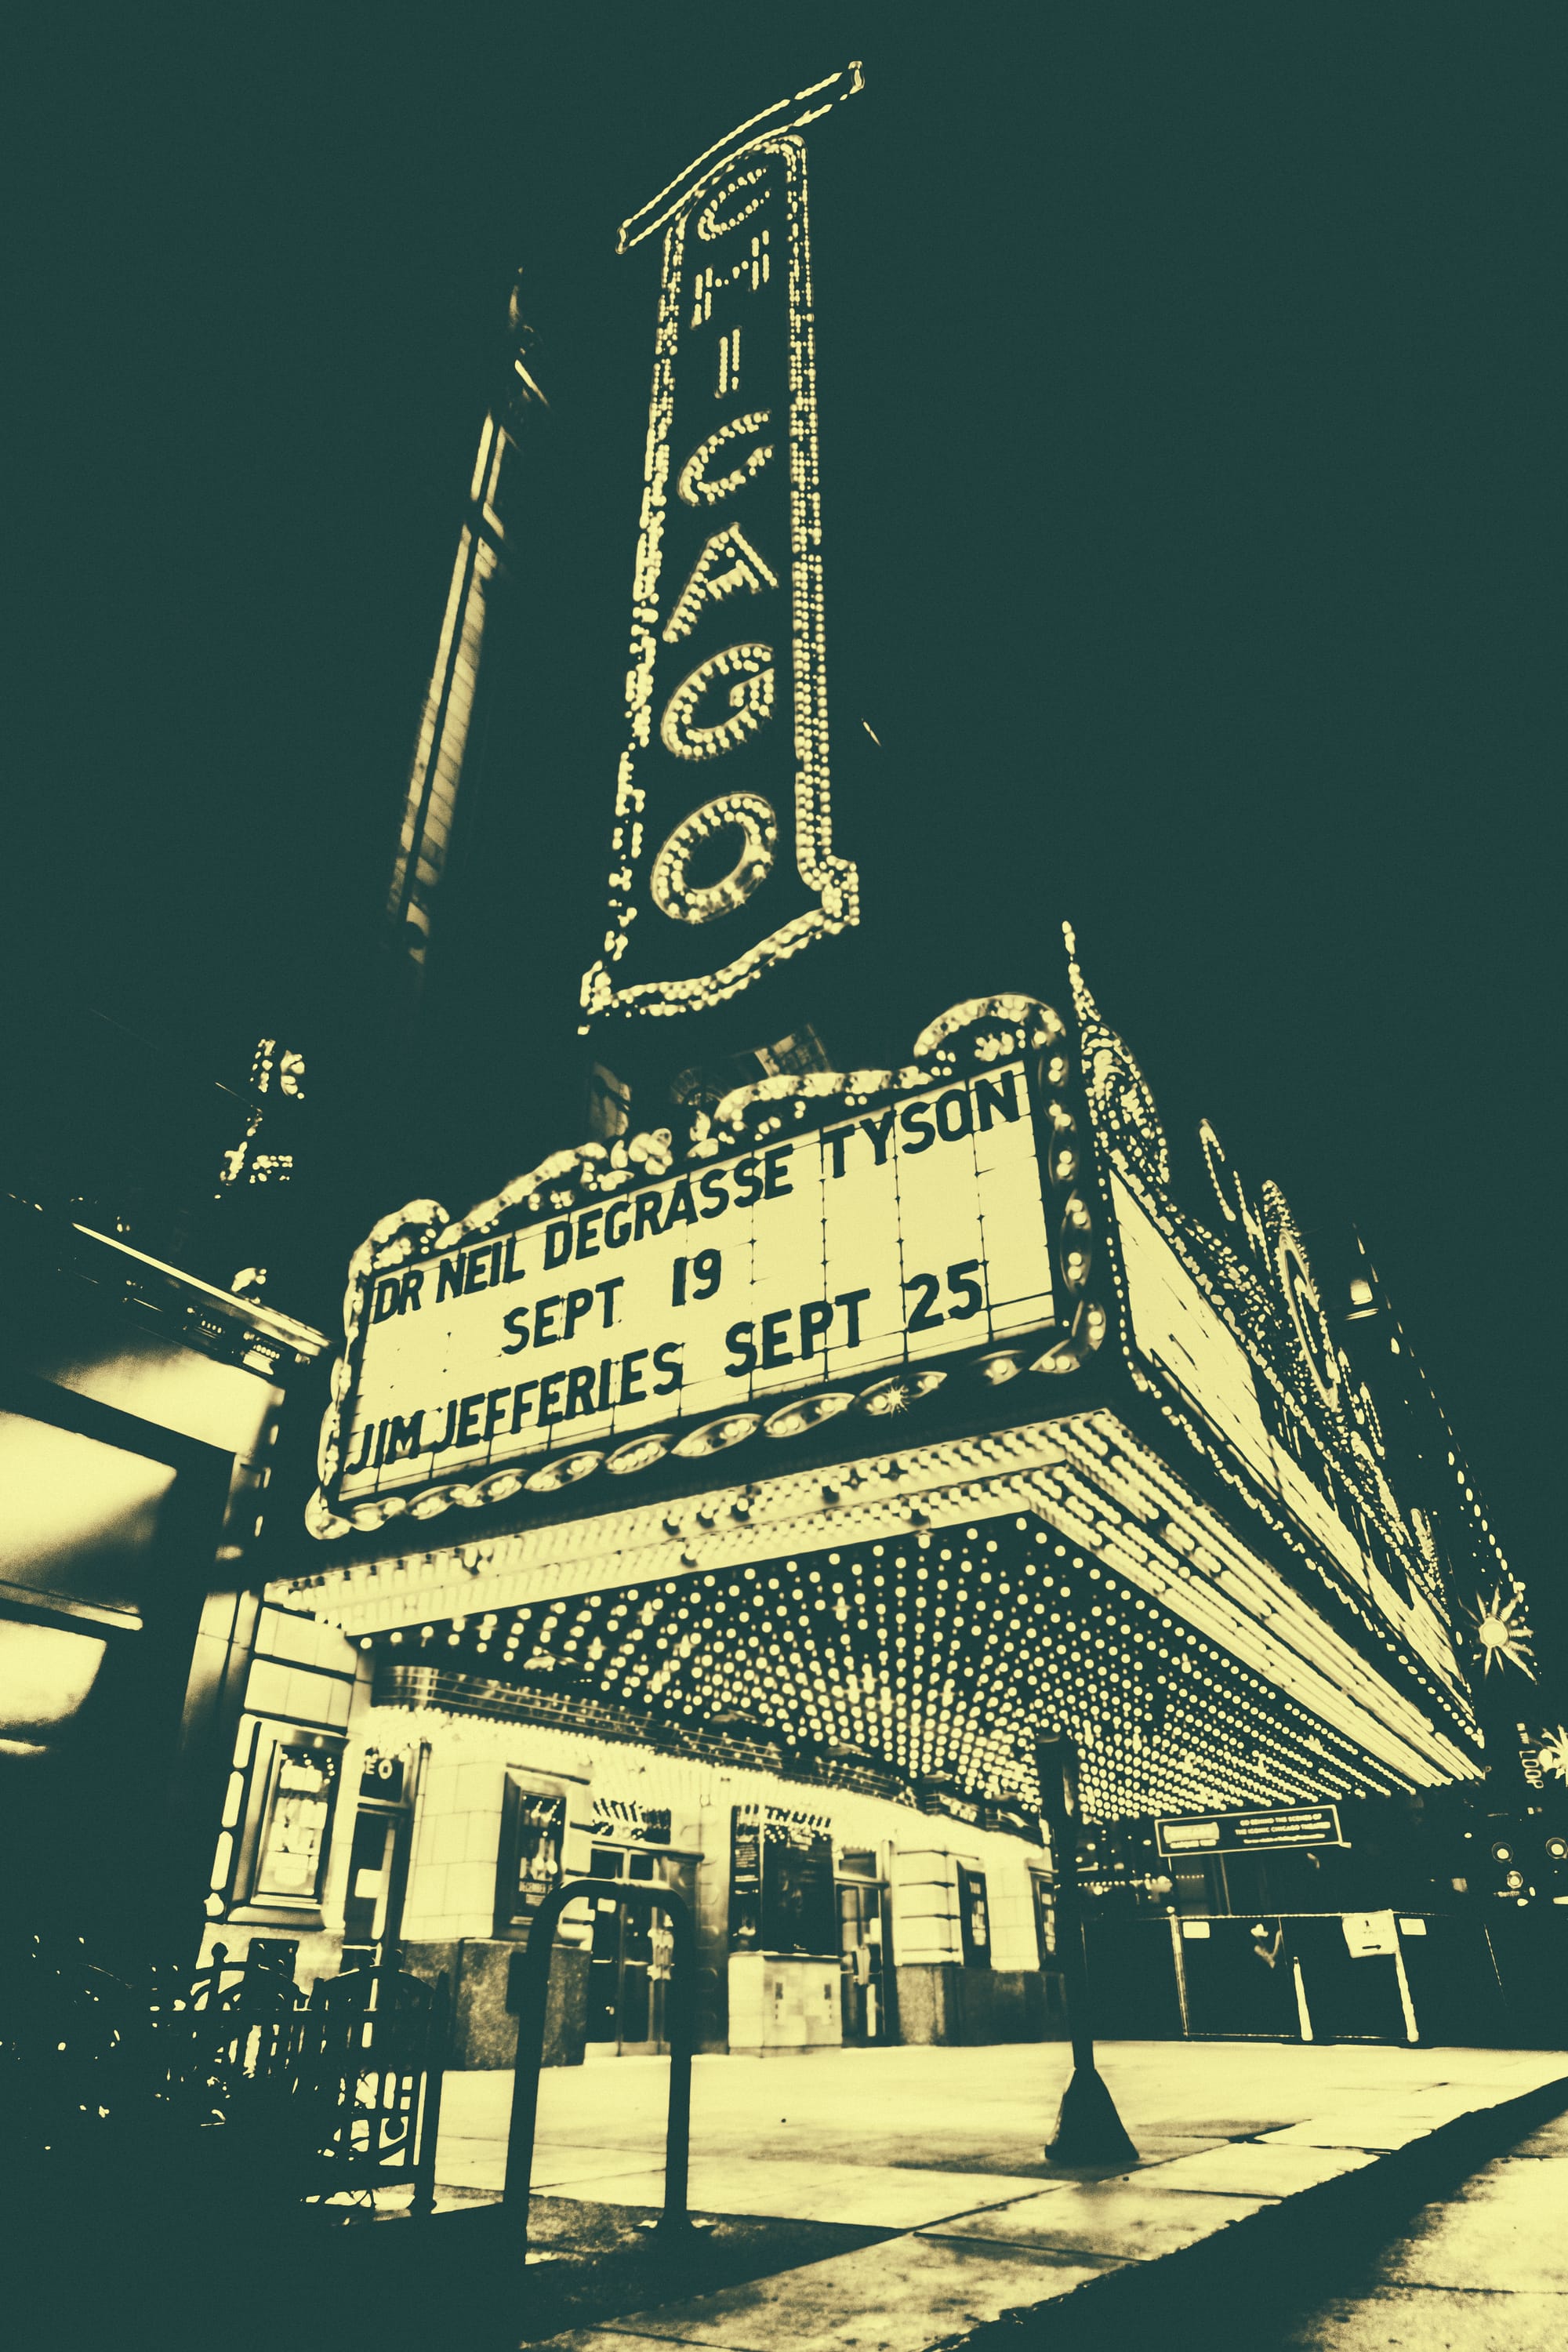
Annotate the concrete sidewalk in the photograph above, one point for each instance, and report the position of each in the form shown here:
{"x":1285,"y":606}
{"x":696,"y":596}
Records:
{"x":943,"y":2146}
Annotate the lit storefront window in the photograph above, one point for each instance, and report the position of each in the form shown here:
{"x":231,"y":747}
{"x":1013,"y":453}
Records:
{"x":533,"y":1826}
{"x":297,"y":1829}
{"x":782,"y":1896}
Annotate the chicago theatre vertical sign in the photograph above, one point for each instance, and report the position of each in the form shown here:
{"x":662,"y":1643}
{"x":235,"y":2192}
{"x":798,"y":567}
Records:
{"x":722,"y":856}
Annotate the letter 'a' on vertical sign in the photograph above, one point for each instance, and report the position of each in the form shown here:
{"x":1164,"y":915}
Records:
{"x":722,"y":860}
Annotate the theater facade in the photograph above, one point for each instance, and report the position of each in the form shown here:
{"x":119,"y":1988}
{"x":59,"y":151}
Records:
{"x":731,"y":1506}
{"x":731,"y":1501}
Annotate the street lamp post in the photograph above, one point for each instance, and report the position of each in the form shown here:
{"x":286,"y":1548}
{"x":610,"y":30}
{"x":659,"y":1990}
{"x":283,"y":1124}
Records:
{"x":1088,"y":2129}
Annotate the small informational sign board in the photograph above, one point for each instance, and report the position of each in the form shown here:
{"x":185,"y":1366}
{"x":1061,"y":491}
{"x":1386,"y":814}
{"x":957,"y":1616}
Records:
{"x":1370,"y":1935}
{"x":1268,"y":1829}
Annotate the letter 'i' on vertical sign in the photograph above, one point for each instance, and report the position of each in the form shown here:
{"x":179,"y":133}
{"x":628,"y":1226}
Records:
{"x":722,"y":861}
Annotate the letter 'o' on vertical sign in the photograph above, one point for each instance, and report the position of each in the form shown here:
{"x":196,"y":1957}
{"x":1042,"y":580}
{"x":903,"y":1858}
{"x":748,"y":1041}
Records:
{"x":675,"y":895}
{"x":728,"y":642}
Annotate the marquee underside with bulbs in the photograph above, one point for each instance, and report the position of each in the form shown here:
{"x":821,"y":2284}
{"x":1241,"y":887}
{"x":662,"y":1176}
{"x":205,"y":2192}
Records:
{"x":1120,"y":1479}
{"x":912,"y":1632}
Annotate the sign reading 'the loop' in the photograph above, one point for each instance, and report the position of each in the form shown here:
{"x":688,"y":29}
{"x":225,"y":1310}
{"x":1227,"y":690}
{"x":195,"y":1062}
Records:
{"x":722,"y":860}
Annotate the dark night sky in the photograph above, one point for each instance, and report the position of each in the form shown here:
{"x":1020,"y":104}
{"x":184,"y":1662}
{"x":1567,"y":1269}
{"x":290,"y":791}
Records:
{"x":1193,"y":388}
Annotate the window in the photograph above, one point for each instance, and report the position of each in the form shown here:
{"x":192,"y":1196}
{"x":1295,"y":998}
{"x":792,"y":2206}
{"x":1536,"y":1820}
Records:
{"x":780,"y":1882}
{"x":1045,"y":1919}
{"x":297,"y":1832}
{"x":973,"y":1918}
{"x":533,"y":1826}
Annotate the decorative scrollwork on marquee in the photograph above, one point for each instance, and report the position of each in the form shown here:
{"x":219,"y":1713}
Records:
{"x":1314,"y":1342}
{"x":1119,"y":1095}
{"x":1255,"y":1276}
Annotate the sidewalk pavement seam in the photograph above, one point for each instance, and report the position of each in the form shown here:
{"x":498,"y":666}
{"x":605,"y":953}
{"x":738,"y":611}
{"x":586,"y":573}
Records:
{"x":1431,"y":2286}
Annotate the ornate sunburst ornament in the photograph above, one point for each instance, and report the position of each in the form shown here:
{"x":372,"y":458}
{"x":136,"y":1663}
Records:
{"x":1553,"y":1753}
{"x":1501,"y":1632}
{"x":898,"y":1395}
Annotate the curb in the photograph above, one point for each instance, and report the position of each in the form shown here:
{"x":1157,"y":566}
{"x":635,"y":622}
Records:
{"x":1293,"y":2250}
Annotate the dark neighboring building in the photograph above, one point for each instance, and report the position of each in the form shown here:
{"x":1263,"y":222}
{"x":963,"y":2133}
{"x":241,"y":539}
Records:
{"x":139,"y":1419}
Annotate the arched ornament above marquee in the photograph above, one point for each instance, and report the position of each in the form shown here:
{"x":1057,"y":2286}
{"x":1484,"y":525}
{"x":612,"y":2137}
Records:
{"x":1119,"y":1099}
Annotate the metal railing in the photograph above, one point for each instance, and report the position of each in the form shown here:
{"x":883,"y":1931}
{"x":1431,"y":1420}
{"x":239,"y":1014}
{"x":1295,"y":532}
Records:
{"x":226,"y":2069}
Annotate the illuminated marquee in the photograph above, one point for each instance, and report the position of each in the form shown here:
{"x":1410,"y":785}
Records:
{"x":1229,"y":1331}
{"x":722,"y":851}
{"x":695,"y":1304}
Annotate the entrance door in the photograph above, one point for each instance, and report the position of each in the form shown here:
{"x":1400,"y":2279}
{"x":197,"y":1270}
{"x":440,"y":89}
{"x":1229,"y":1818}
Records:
{"x":862,"y":1952}
{"x":1051,"y":1973}
{"x":629,"y":1970}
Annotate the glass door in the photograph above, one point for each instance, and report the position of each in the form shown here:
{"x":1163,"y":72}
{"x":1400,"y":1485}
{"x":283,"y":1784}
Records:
{"x":862,"y":1949}
{"x":630,"y":1966}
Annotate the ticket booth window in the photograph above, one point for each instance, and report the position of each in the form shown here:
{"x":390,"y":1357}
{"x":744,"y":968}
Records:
{"x":378,"y":1859}
{"x":291,"y":1861}
{"x":1045,"y":1919}
{"x":1048,"y":1941}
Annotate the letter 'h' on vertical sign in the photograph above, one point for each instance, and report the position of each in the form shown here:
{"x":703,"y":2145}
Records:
{"x":722,"y":861}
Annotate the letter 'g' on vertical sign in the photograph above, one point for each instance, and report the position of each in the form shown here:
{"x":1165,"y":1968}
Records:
{"x":726,"y":686}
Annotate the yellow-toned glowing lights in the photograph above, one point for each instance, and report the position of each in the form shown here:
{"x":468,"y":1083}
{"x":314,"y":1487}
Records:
{"x":750,"y":701}
{"x":735,"y":309}
{"x":925,"y":1663}
{"x":743,"y":814}
{"x":1502,"y":1634}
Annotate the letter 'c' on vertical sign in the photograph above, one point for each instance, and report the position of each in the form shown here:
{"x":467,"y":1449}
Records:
{"x":694,"y":486}
{"x":674,"y":896}
{"x":751,"y":703}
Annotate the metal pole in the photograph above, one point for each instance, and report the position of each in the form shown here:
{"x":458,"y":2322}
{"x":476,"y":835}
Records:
{"x":532,"y":2002}
{"x":680,"y":2026}
{"x":1088,"y":2129}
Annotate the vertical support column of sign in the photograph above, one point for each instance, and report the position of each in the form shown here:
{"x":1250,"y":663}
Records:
{"x":812,"y":816}
{"x":631,"y":801}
